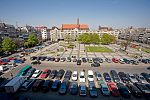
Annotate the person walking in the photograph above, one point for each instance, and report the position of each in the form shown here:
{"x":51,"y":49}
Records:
{"x":11,"y":75}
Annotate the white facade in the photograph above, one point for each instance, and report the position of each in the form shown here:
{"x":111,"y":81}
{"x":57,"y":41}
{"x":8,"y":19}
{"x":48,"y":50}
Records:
{"x":45,"y":34}
{"x":57,"y":34}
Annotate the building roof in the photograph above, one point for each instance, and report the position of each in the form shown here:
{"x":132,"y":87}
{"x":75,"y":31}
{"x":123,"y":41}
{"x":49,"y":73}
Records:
{"x":73,"y":26}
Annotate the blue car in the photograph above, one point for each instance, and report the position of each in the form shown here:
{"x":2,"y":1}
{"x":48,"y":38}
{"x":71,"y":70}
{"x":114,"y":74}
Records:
{"x":56,"y":85}
{"x":107,"y":77}
{"x":105,"y":90}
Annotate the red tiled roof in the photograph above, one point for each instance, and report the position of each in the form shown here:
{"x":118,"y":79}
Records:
{"x":72,"y":26}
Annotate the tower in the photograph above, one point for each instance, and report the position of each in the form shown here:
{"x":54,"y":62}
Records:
{"x":78,"y":24}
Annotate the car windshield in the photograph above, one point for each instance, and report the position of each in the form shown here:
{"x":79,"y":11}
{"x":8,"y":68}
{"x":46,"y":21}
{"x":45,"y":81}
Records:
{"x":99,"y":75}
{"x":44,"y":72}
{"x":74,"y":75}
{"x":105,"y":89}
{"x":81,"y":76}
{"x":90,"y":76}
{"x":132,"y":77}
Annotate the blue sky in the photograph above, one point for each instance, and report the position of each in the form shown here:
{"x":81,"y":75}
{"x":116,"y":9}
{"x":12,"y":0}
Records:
{"x":114,"y":13}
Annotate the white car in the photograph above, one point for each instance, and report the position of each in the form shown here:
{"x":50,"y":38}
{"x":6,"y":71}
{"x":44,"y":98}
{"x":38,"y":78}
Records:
{"x":75,"y":76}
{"x":90,"y":76}
{"x":82,"y":77}
{"x":132,"y":78}
{"x":36,"y":73}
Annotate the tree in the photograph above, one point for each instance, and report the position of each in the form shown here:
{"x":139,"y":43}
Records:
{"x":95,"y":39}
{"x":68,"y":38}
{"x":32,"y":40}
{"x":8,"y":45}
{"x":107,"y":39}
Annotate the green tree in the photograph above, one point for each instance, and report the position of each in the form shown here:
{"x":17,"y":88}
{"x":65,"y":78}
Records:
{"x":107,"y":39}
{"x":8,"y":45}
{"x":68,"y":38}
{"x":32,"y":41}
{"x":95,"y":39}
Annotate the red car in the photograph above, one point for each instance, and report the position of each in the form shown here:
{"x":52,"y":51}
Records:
{"x":113,"y":89}
{"x":3,"y":63}
{"x":11,"y":58}
{"x":115,"y":60}
{"x":45,"y":73}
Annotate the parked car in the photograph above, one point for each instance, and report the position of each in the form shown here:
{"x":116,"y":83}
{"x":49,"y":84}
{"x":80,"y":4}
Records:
{"x":45,"y":73}
{"x":95,"y":64}
{"x":74,"y":59}
{"x":123,"y":77}
{"x":113,"y":89}
{"x":75,"y":76}
{"x":36,"y":62}
{"x":63,"y":87}
{"x":123,"y":90}
{"x":98,"y":76}
{"x":36,"y":74}
{"x":55,"y":85}
{"x":146,"y":76}
{"x":145,"y":90}
{"x":108,"y":60}
{"x":68,"y":74}
{"x":107,"y":77}
{"x":121,"y":61}
{"x":27,"y":85}
{"x":29,"y":73}
{"x":104,"y":89}
{"x":132,"y":78}
{"x":33,"y":58}
{"x":92,"y":90}
{"x":57,"y":59}
{"x":73,"y":88}
{"x":78,"y":62}
{"x":90,"y":60}
{"x":24,"y":70}
{"x":68,"y":59}
{"x":60,"y":74}
{"x":134,"y":90}
{"x":114,"y":76}
{"x":53,"y":74}
{"x":115,"y":60}
{"x":62,"y":59}
{"x":84,"y":60}
{"x":82,"y":76}
{"x":90,"y":75}
{"x":82,"y":90}
{"x":37,"y":85}
{"x":140,"y":78}
{"x":46,"y":85}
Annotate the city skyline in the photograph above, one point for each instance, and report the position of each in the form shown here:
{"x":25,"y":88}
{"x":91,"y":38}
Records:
{"x":112,"y":13}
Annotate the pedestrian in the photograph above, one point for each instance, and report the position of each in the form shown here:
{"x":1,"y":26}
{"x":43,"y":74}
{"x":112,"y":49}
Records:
{"x":83,"y":70}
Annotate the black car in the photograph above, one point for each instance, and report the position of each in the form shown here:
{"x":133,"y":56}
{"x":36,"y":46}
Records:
{"x":46,"y":85}
{"x":84,"y":60}
{"x":73,"y":88}
{"x":68,"y":74}
{"x":95,"y":64}
{"x":29,"y":73}
{"x":124,"y":78}
{"x":145,"y":90}
{"x":36,"y":62}
{"x":33,"y":58}
{"x":107,"y":77}
{"x":27,"y":85}
{"x":60,"y":74}
{"x":78,"y":62}
{"x":114,"y":76}
{"x":53,"y":74}
{"x":37,"y":85}
{"x":63,"y":87}
{"x":2,"y":85}
{"x":92,"y":90}
{"x":134,"y":90}
{"x":55,"y":85}
{"x":123,"y":90}
{"x":145,"y":61}
{"x":146,"y":76}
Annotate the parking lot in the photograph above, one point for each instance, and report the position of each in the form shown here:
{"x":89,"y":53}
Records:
{"x":79,"y":52}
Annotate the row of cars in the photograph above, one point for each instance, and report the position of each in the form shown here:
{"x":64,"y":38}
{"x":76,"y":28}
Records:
{"x":10,"y":63}
{"x":112,"y":83}
{"x":91,"y":60}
